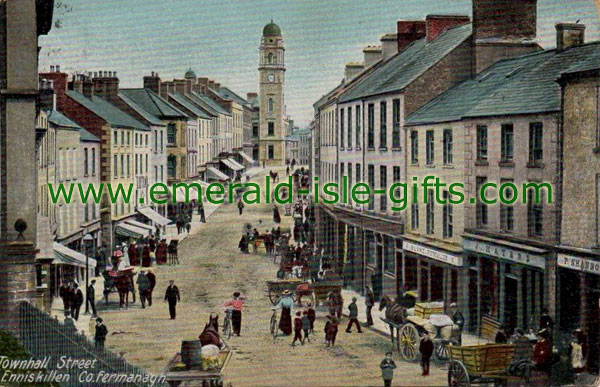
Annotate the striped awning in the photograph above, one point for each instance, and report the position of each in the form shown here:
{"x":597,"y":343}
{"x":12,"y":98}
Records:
{"x":139,"y":224}
{"x":153,"y":216}
{"x":246,"y":157}
{"x":180,"y":195}
{"x":128,"y":230}
{"x":215,"y":174}
{"x":231,"y":164}
{"x":65,"y":256}
{"x":238,"y":165}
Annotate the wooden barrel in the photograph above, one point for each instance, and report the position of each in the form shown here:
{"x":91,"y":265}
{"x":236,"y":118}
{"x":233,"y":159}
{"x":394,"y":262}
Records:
{"x":191,"y":353}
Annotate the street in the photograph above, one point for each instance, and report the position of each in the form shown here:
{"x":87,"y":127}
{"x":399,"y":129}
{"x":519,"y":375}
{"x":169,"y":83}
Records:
{"x":211,"y":270}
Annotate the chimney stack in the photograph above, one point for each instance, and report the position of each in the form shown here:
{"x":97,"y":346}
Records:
{"x":389,"y":45}
{"x":410,"y":31}
{"x":352,"y":70}
{"x":106,"y":86}
{"x":152,"y":82}
{"x":372,"y":55}
{"x":569,"y":35}
{"x":504,"y":20}
{"x":51,"y":68}
{"x":58,"y":68}
{"x":438,"y":24}
{"x":59,"y":84}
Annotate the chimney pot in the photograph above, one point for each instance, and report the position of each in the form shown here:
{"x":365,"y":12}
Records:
{"x":569,"y":35}
{"x":58,"y":68}
{"x":51,"y":68}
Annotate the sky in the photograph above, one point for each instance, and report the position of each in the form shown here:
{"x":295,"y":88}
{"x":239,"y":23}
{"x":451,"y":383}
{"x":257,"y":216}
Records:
{"x":219,"y":39}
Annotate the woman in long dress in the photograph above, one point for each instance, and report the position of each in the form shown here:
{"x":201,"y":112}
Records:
{"x":285,"y":304}
{"x":276,"y":215}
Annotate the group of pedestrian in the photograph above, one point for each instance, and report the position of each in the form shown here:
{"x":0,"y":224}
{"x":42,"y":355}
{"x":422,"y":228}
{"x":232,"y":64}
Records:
{"x":72,"y":298}
{"x":146,"y":281}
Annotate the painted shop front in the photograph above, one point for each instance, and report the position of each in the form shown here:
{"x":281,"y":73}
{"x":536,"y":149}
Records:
{"x":578,"y":303}
{"x":434,"y":273}
{"x":507,"y":282}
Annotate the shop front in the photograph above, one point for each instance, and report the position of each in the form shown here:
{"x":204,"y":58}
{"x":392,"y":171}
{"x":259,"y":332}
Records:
{"x":433,"y":273}
{"x":578,"y":303}
{"x":507,"y":283}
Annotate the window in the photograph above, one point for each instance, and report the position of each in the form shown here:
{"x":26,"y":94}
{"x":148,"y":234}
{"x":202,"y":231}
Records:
{"x":115,"y":166}
{"x":93,"y":161}
{"x":128,"y":166}
{"x":156,"y":173}
{"x":383,"y":186}
{"x":358,"y":174}
{"x":270,"y":58}
{"x":429,"y":214}
{"x":171,"y":134}
{"x":535,"y":142}
{"x":383,"y":124}
{"x":156,"y":141}
{"x":371,"y":182}
{"x":447,"y":216}
{"x":136,"y":164}
{"x":162,"y":175}
{"x":481,"y":209}
{"x":122,"y":138}
{"x":85,"y":162}
{"x":396,"y":123}
{"x":534,"y":214}
{"x":506,"y":142}
{"x":271,"y":152}
{"x":86,"y":215}
{"x":358,"y":121}
{"x":341,"y":172}
{"x":414,"y":147}
{"x":371,"y":127}
{"x":146,"y":162}
{"x":429,"y":147}
{"x":448,"y":158}
{"x":137,"y":139}
{"x":254,"y":130}
{"x":342,"y":123}
{"x":270,"y":129}
{"x":350,"y":180}
{"x":171,"y":167}
{"x":146,"y":141}
{"x":507,"y":218}
{"x":270,"y":105}
{"x":482,"y":143}
{"x":115,"y":137}
{"x":349,"y":127}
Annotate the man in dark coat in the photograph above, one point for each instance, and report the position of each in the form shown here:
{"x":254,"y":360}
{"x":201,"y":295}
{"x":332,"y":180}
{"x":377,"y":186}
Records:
{"x":172,"y":297}
{"x":100,"y":334}
{"x":152,"y":244}
{"x":458,"y":319}
{"x":353,"y":314}
{"x":66,"y":294}
{"x":91,"y":297}
{"x":133,"y":256}
{"x":201,"y":213}
{"x":369,"y":303}
{"x":387,"y":369}
{"x":426,"y":349}
{"x":77,"y":301}
{"x":152,"y":280}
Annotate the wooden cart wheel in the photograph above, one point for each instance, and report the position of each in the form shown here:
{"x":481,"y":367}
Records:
{"x":458,"y":375}
{"x":274,"y":296}
{"x":441,"y":351}
{"x":408,"y":340}
{"x":273,"y":326}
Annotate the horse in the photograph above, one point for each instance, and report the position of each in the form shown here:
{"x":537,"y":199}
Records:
{"x":394,"y":311}
{"x":123,"y":283}
{"x":210,"y":334}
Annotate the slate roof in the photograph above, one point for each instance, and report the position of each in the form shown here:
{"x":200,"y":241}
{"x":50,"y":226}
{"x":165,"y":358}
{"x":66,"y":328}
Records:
{"x":106,"y":111}
{"x":84,"y":135}
{"x":207,"y":103}
{"x":153,"y":103}
{"x":153,"y":120}
{"x":59,"y":119}
{"x":229,"y":94}
{"x":187,"y":104}
{"x":522,"y":85}
{"x":403,"y":68}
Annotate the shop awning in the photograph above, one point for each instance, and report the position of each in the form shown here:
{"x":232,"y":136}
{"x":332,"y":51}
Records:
{"x":128,"y":230}
{"x":153,"y":216}
{"x":246,"y":157}
{"x":229,"y":163}
{"x":140,"y":224}
{"x":234,"y":162}
{"x":180,"y":194}
{"x":44,"y":240}
{"x":215,"y":174}
{"x":65,"y":256}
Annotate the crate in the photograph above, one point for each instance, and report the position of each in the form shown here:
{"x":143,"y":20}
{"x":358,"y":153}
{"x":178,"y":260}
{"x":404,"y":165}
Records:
{"x":489,"y":328}
{"x":426,"y":309}
{"x":484,"y":359}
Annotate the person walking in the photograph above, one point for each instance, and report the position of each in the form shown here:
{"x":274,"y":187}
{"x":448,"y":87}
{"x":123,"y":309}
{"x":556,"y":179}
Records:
{"x":90,"y":297}
{"x":297,"y":329}
{"x":240,"y":206}
{"x":369,"y":303}
{"x":331,"y":330}
{"x":188,"y":227}
{"x":577,"y":351}
{"x":100,"y":334}
{"x":353,"y":314}
{"x":201,"y":213}
{"x":426,"y":349}
{"x":387,"y":369}
{"x":133,"y":256}
{"x":236,"y":304}
{"x":276,"y":215}
{"x":144,"y":288}
{"x":285,"y":304}
{"x":305,"y":326}
{"x":66,"y":294}
{"x":77,"y":301}
{"x":458,"y":319}
{"x":172,"y":297}
{"x":146,"y":260}
{"x":312,"y":316}
{"x":152,"y":280}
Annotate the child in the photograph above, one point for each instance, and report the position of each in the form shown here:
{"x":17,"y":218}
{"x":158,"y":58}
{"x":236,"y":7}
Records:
{"x":426,"y":349}
{"x":387,"y":369}
{"x":331,"y":330}
{"x":305,"y":326}
{"x":311,"y":317}
{"x":297,"y":329}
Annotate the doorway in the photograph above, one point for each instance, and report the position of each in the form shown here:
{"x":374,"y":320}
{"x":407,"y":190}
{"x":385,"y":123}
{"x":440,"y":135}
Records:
{"x":510,"y":302}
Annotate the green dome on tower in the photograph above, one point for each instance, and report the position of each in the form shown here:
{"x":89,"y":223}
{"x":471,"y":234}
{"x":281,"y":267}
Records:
{"x":271,"y":29}
{"x":190,"y":73}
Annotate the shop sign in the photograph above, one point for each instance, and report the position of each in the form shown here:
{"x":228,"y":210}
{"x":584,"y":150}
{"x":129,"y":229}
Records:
{"x":514,"y":255}
{"x":450,"y":259}
{"x":579,"y":264}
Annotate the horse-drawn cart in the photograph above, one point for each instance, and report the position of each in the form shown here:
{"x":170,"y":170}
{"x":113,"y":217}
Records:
{"x":119,"y":281}
{"x":176,"y":372}
{"x":302,"y":291}
{"x":487,"y":363}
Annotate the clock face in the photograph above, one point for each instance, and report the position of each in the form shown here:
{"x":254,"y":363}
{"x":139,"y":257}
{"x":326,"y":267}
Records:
{"x":271,"y":78}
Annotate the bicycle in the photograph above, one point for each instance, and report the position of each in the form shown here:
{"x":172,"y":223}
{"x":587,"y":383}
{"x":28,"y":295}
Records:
{"x":227,"y":328}
{"x":273,"y":325}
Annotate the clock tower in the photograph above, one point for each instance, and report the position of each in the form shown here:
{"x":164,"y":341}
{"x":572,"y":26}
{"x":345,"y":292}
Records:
{"x":271,"y":72}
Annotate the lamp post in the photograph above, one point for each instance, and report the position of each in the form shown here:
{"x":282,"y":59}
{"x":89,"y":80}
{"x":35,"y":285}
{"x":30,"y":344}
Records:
{"x":87,"y":239}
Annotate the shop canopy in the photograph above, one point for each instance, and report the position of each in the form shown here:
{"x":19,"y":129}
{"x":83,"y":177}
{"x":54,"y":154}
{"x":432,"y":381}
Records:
{"x":128,"y":230}
{"x":246,"y":157}
{"x":231,"y":164}
{"x":180,"y":194}
{"x":215,"y":174}
{"x":65,"y":256}
{"x":234,"y":161}
{"x":153,"y":216}
{"x":139,"y":224}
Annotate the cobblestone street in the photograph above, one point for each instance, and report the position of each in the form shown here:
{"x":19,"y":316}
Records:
{"x":211,"y":269}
